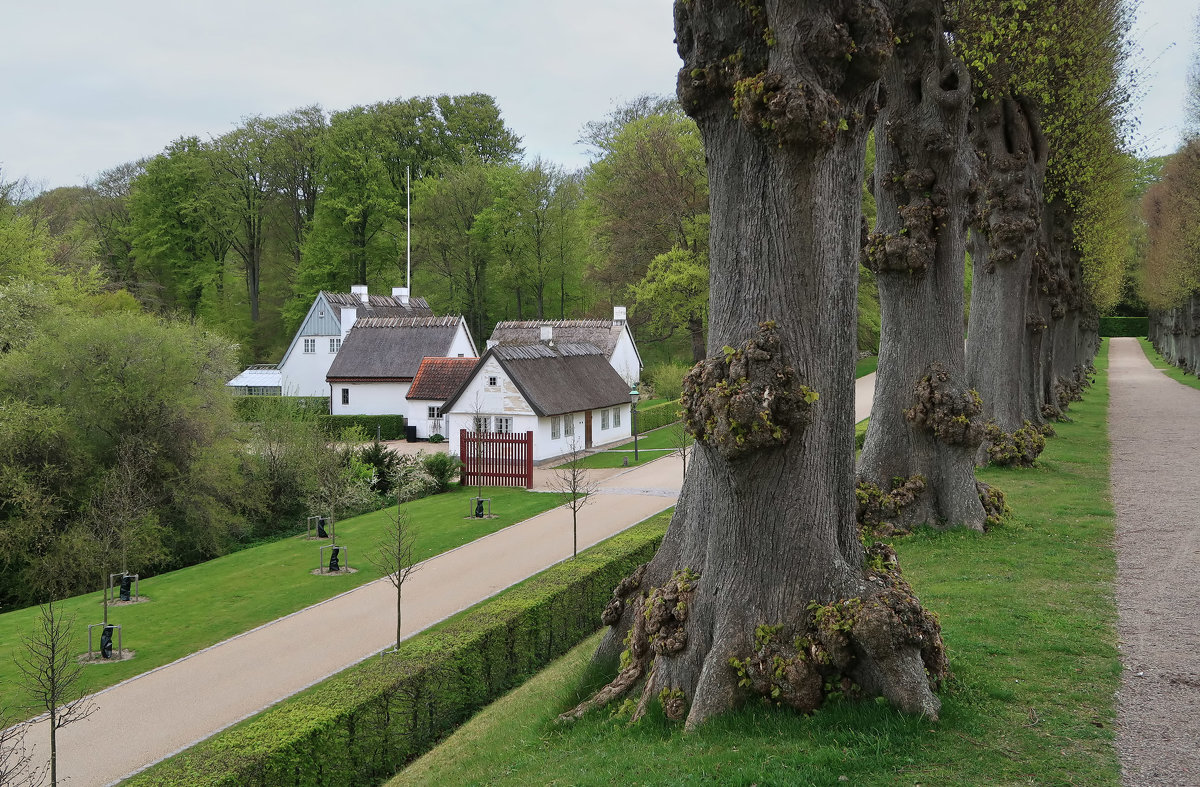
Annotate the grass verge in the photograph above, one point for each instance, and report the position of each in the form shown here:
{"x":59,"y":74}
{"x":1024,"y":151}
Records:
{"x":1029,"y":618}
{"x":1167,"y":368}
{"x":198,"y":606}
{"x":865,"y":366}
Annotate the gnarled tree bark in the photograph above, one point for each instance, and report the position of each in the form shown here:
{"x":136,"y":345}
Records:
{"x":762,"y":557}
{"x":1011,"y":151}
{"x":924,"y":420}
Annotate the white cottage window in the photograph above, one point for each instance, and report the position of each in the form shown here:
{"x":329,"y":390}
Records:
{"x":616,"y":417}
{"x":435,"y":411}
{"x":556,"y":427}
{"x":310,"y":345}
{"x":335,"y":344}
{"x":604,"y":419}
{"x":569,"y":425}
{"x":503,"y":424}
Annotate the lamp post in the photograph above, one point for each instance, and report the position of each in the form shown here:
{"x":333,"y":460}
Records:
{"x":633,"y":397}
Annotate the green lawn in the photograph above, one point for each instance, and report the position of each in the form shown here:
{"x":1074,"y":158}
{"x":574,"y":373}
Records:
{"x":195,"y":607}
{"x":651,"y":446}
{"x":1028,"y":616}
{"x":1172,"y":371}
{"x":865,"y":366}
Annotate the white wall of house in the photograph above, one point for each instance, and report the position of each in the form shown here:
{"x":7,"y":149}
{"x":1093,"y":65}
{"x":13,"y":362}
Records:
{"x":303,"y":373}
{"x":418,"y":416}
{"x":462,"y":346}
{"x":370,"y":398}
{"x":625,"y":359}
{"x":505,"y":400}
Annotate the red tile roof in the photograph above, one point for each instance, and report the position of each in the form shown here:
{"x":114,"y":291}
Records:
{"x":438,"y":378}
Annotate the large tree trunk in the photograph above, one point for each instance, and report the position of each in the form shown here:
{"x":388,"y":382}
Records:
{"x":765,"y":524}
{"x":924,"y":420}
{"x":1003,"y":243}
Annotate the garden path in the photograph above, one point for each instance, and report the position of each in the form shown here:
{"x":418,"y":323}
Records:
{"x":1153,"y":422}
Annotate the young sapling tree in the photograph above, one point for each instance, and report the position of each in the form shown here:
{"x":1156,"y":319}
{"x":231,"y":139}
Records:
{"x":575,"y":483}
{"x":395,"y":556}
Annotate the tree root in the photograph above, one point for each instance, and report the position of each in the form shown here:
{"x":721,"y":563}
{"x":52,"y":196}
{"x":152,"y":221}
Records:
{"x":658,"y":616}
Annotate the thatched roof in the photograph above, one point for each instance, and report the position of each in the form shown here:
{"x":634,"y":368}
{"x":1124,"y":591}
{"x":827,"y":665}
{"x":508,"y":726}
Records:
{"x":566,"y":378}
{"x":379,"y":305}
{"x":602,"y":333}
{"x":391,"y":348}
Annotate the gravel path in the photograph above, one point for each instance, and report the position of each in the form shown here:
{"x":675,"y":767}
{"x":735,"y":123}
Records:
{"x":1156,"y":489}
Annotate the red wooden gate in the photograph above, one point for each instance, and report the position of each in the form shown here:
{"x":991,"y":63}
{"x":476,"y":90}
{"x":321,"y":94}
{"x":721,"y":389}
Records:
{"x":496,"y":458}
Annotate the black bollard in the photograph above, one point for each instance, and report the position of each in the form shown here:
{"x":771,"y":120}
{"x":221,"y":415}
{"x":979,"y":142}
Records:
{"x":126,"y":585}
{"x":479,"y":510}
{"x":333,"y":559}
{"x":321,"y":528}
{"x":106,"y":642}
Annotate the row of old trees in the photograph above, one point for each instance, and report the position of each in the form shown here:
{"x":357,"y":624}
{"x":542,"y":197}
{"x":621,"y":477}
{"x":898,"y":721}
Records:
{"x":119,"y":446}
{"x":1172,"y":282}
{"x":1172,"y":263}
{"x":996,"y":127}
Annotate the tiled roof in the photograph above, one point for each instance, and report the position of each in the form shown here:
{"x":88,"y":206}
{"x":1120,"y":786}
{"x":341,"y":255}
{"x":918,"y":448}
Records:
{"x":438,"y":378}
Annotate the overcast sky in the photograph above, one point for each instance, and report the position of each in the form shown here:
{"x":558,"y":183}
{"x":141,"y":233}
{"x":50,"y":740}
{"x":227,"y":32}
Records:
{"x":90,"y":85}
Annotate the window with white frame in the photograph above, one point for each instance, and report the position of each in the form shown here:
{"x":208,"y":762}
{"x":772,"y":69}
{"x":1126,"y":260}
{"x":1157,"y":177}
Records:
{"x":345,"y":396}
{"x":502,"y":424}
{"x":335,"y":344}
{"x":569,"y":425}
{"x":492,"y":382}
{"x":556,"y":427}
{"x":616,"y":417}
{"x":435,"y":411}
{"x":310,"y":345}
{"x":604,"y":419}
{"x":481,"y":423}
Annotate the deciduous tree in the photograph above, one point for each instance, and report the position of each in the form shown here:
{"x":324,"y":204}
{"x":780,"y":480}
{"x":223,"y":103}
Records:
{"x":762,"y":586}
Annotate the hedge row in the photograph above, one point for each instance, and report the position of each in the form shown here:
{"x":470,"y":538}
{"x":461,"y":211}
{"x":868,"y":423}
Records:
{"x":249,"y":408}
{"x":363,"y":725}
{"x":386,"y":427}
{"x":1124,"y":326}
{"x":657,"y":416}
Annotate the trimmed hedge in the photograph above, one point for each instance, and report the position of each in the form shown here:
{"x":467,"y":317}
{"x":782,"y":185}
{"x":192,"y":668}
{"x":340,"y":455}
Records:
{"x":391,"y":427}
{"x":1124,"y":326}
{"x":657,"y":416}
{"x":362,"y":725}
{"x":249,"y":407}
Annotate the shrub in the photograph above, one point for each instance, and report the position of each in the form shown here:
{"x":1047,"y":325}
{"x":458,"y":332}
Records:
{"x":411,"y":480}
{"x":384,"y":461}
{"x":657,"y":416}
{"x":362,"y":725}
{"x":387,"y":427}
{"x":1124,"y":326}
{"x":666,"y":378}
{"x":436,"y":438}
{"x":250,"y":408}
{"x":442,"y":468}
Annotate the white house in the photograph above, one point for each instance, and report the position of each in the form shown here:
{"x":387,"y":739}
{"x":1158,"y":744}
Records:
{"x":302,"y":370}
{"x":565,"y":394}
{"x":436,"y":381}
{"x":380,"y":357}
{"x":613,"y":337}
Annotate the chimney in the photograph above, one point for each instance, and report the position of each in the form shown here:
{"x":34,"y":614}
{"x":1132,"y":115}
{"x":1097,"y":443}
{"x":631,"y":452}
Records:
{"x":360,"y":290}
{"x":349,"y":315}
{"x":618,"y":314}
{"x":402,"y":294}
{"x":547,"y":334}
